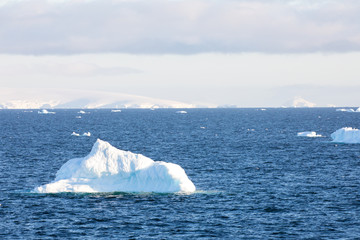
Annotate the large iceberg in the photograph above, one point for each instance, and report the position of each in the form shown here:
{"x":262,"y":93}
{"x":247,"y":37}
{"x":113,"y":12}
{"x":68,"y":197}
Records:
{"x":308,"y":134}
{"x":346,"y":135}
{"x":108,"y":169}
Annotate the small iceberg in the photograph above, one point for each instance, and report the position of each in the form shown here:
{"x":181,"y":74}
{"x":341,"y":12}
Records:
{"x":86,"y":134}
{"x":308,"y":134}
{"x":108,"y":169}
{"x":182,"y":112}
{"x":82,"y":112}
{"x":78,"y":117}
{"x":346,"y":135}
{"x":116,"y":110}
{"x":44,"y":111}
{"x":347,"y":110}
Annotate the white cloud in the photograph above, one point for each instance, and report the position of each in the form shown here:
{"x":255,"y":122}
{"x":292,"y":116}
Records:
{"x":180,"y":27}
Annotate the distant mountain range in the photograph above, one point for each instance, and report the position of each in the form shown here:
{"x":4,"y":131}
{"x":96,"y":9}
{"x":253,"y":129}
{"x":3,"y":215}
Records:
{"x":83,"y":99}
{"x":52,"y":98}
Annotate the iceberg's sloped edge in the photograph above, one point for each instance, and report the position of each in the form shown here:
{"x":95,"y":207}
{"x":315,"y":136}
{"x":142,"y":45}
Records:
{"x":346,"y":135}
{"x":108,"y":169}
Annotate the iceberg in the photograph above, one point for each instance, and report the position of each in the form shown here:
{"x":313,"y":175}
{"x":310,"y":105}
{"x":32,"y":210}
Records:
{"x":108,"y":169}
{"x":347,"y":110}
{"x":116,"y":110}
{"x":346,"y":135}
{"x":82,"y":112}
{"x":308,"y":134}
{"x":181,"y":112}
{"x":86,"y":134}
{"x":44,"y":111}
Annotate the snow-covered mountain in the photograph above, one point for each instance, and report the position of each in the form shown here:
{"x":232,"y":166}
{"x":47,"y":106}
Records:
{"x":53,"y":98}
{"x":299,"y":102}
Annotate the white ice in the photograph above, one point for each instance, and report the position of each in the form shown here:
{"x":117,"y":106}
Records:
{"x":346,"y":135}
{"x":347,"y":110}
{"x":82,"y":112}
{"x":308,"y":134}
{"x":108,"y":169}
{"x":182,"y":112}
{"x":44,"y":111}
{"x":116,"y":110}
{"x":85,"y":134}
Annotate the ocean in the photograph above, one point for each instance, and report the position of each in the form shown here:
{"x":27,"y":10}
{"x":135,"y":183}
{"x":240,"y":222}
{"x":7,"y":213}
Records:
{"x":255,"y":178}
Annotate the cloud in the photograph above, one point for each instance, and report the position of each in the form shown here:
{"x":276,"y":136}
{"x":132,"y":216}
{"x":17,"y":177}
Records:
{"x":179,"y":27}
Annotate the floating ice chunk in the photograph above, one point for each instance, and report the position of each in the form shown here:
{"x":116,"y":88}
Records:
{"x":357,"y":110}
{"x":108,"y":169}
{"x":116,"y":110}
{"x":78,"y":116}
{"x":308,"y":134}
{"x":86,"y":134}
{"x":346,"y":110}
{"x":346,"y":135}
{"x":44,"y":111}
{"x":182,"y":112}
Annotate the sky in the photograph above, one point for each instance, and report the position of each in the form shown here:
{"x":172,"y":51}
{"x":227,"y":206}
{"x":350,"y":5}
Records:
{"x":249,"y":53}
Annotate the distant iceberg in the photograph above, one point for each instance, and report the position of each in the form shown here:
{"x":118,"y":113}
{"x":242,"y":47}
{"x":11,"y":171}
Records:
{"x":44,"y":111}
{"x":346,"y":110}
{"x":182,"y":112}
{"x":116,"y":110}
{"x":108,"y":169}
{"x":86,"y":134}
{"x":308,"y":134}
{"x":82,"y":112}
{"x":346,"y":135}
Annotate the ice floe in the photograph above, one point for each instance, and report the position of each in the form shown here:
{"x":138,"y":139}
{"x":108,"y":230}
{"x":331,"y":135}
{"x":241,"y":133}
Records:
{"x":82,"y":112}
{"x":85,"y":134}
{"x":346,"y":135}
{"x":348,"y":110}
{"x":44,"y":111}
{"x":181,"y":112}
{"x":108,"y":169}
{"x":116,"y":110}
{"x":308,"y":134}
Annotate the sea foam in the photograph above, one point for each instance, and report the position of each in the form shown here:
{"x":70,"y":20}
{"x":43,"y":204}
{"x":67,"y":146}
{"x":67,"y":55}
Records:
{"x":108,"y":169}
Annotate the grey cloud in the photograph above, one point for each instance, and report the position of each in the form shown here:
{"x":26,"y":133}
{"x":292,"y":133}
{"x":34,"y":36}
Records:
{"x":179,"y":27}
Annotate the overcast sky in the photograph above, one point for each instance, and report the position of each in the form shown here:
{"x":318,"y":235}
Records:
{"x":243,"y":52}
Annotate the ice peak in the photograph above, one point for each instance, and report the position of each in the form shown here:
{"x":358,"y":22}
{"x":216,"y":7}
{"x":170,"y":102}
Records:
{"x":108,"y":169}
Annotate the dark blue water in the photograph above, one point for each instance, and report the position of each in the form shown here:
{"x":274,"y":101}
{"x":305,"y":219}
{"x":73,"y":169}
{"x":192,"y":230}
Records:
{"x":256,"y":178}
